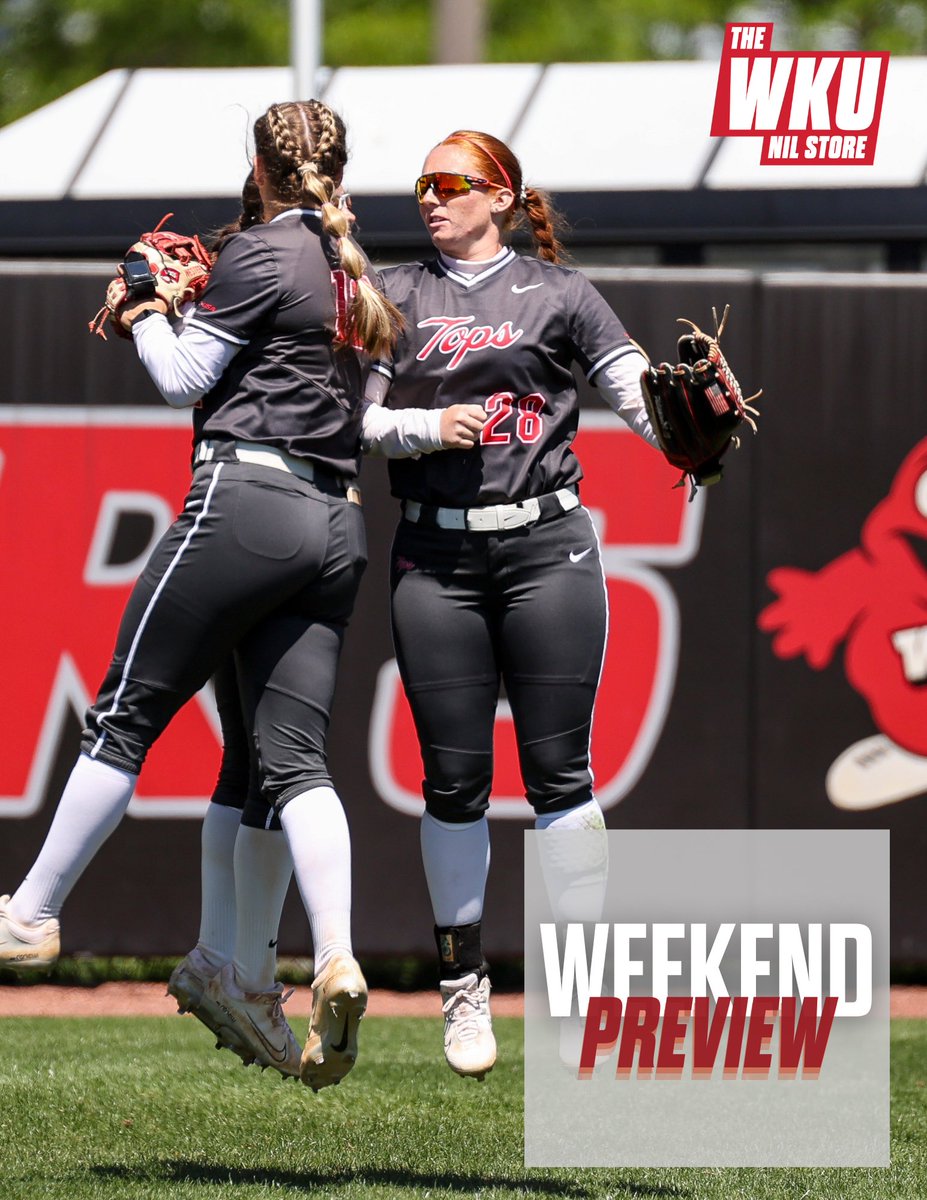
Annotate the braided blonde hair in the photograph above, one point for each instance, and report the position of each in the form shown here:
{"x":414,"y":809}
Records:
{"x":303,"y":145}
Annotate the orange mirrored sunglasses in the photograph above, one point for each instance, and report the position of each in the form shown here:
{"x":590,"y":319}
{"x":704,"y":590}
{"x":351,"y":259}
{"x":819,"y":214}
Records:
{"x":447,"y":183}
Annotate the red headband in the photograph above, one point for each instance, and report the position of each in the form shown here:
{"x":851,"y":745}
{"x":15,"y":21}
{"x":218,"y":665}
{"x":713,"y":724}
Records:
{"x":503,"y":171}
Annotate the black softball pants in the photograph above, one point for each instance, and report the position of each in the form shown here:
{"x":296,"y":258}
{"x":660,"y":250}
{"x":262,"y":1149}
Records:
{"x":259,"y":561}
{"x":526,"y":607}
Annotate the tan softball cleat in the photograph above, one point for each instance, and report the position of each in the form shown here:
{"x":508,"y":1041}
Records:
{"x":251,"y":1024}
{"x":188,"y":985}
{"x":339,"y":1000}
{"x":23,"y":946}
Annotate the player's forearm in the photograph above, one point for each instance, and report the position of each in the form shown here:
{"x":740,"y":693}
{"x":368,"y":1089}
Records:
{"x":400,"y":433}
{"x":183,"y":368}
{"x":620,"y":385}
{"x":395,"y":433}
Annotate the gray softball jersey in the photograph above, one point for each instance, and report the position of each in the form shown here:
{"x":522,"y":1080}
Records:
{"x":276,"y":291}
{"x":506,"y":339}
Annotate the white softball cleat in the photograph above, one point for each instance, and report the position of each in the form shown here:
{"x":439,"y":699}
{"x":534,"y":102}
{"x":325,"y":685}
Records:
{"x":251,"y":1024}
{"x":339,"y":1000}
{"x":189,"y":979}
{"x":188,"y":984}
{"x":469,"y":1043}
{"x":23,"y":946}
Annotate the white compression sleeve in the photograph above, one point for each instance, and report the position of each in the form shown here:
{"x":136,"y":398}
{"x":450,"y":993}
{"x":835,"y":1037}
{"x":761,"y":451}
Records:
{"x":263,"y":869}
{"x":217,"y":877}
{"x":320,"y":843}
{"x":400,"y":433}
{"x":396,"y":433}
{"x":93,"y":803}
{"x":183,"y":366}
{"x":620,"y":385}
{"x":456,"y":861}
{"x":573,"y":850}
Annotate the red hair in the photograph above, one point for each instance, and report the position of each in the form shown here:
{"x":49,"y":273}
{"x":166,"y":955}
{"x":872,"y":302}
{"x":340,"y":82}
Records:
{"x":497,"y":163}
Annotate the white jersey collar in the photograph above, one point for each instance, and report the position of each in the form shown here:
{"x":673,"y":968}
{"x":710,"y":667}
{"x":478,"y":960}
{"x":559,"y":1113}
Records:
{"x":469,"y":273}
{"x":296,"y":212}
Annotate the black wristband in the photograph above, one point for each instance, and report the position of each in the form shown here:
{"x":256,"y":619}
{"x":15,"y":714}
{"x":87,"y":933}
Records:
{"x":147,"y":312}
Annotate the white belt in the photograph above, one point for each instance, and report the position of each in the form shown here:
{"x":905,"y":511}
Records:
{"x":280,"y":460}
{"x":492,"y":518}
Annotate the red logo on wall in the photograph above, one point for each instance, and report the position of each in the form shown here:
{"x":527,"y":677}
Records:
{"x":873,"y":599}
{"x":68,"y":479}
{"x":642,"y":522}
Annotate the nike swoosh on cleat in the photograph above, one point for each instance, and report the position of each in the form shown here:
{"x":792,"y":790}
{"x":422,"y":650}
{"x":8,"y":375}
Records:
{"x":275,"y":1052}
{"x":527,"y":288}
{"x":342,"y":1045}
{"x":574,"y":557}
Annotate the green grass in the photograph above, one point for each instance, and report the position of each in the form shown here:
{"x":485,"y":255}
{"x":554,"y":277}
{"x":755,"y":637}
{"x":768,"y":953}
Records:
{"x":400,"y":974}
{"x":131,"y":1108}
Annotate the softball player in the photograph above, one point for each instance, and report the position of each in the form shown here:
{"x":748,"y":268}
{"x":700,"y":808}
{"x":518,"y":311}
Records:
{"x":495,"y":571}
{"x":266,"y":557}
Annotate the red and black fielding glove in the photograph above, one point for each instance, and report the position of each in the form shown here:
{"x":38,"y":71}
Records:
{"x":173,"y":267}
{"x":697,"y":407}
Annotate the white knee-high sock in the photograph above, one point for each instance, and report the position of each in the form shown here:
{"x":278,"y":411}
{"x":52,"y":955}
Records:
{"x":573,"y":849}
{"x":263,"y":869}
{"x":456,"y":862}
{"x":587,"y":815}
{"x":217,"y":875}
{"x":92,"y":804}
{"x":317,"y":832}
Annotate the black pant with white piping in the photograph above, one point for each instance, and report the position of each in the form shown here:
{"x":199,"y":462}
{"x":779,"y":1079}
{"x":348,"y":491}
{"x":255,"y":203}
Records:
{"x":525,"y":605}
{"x":261,"y":562}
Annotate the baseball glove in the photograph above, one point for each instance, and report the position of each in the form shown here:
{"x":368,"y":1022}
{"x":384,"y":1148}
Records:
{"x":172,"y":267}
{"x":696,"y":407}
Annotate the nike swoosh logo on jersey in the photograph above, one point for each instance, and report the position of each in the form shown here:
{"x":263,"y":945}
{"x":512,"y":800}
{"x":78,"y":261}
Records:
{"x":527,"y":288}
{"x":342,"y":1045}
{"x":574,"y":557}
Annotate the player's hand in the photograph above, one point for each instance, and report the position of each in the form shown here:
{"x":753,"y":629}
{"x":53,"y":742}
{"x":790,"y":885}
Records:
{"x":128,"y":312}
{"x":461,"y":425}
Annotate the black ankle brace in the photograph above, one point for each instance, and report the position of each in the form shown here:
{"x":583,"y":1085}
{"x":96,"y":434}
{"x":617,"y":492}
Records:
{"x":460,"y":950}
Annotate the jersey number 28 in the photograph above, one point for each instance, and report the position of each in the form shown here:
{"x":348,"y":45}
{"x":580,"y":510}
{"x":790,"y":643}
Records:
{"x":526,"y":411}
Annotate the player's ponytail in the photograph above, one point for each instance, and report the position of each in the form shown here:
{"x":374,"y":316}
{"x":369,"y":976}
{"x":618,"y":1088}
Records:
{"x":305,"y":148}
{"x":543,"y":221}
{"x":371,"y":322}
